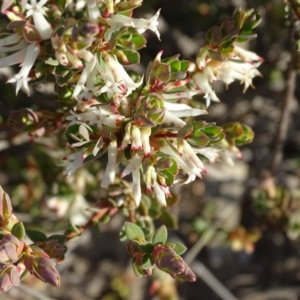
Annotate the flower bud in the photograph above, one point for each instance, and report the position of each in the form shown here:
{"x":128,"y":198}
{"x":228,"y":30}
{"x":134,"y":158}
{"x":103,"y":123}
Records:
{"x":170,"y":262}
{"x":42,"y":268}
{"x":5,"y":208}
{"x":10,"y":249}
{"x":53,"y":248}
{"x":9,"y":277}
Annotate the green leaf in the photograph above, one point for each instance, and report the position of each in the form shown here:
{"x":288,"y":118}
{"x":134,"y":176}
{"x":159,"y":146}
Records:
{"x":133,"y":41}
{"x":147,"y":247}
{"x":129,"y":57}
{"x":199,"y":139}
{"x":161,"y":235}
{"x":133,"y":231}
{"x":71,"y":228}
{"x":177,"y":247}
{"x":36,"y":236}
{"x":58,"y":237}
{"x":18,"y":230}
{"x":147,"y":261}
{"x":185,"y":130}
{"x":212,"y":131}
{"x":136,"y":270}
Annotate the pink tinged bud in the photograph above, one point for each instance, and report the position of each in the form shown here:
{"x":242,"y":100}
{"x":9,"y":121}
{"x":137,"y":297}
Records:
{"x":145,"y":135}
{"x":110,"y":171}
{"x":44,"y":269}
{"x":159,"y":193}
{"x":170,"y":262}
{"x":5,"y":208}
{"x":136,"y":143}
{"x":9,"y":277}
{"x":74,"y":61}
{"x":126,"y":140}
{"x":10,"y":249}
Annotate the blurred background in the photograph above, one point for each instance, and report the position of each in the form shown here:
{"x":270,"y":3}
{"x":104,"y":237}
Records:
{"x":241,"y":223}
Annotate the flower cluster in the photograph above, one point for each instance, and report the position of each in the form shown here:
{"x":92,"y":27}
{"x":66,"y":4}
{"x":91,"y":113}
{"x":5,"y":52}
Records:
{"x":146,"y":124}
{"x":18,"y":258}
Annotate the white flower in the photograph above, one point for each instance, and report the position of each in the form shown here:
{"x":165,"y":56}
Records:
{"x":245,"y":55}
{"x":32,"y":52}
{"x":110,"y":171}
{"x":134,"y":168}
{"x":201,"y":80}
{"x":184,"y":162}
{"x":118,"y":83}
{"x":36,"y":11}
{"x":76,"y":161}
{"x":93,"y":10}
{"x":141,"y":25}
{"x":243,"y":71}
{"x":183,"y":110}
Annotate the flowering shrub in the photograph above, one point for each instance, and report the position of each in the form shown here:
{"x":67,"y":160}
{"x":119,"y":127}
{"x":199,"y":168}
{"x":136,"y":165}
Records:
{"x":146,"y":124}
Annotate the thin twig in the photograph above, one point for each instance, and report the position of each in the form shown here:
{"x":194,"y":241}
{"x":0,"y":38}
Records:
{"x":200,"y":270}
{"x":295,"y":8}
{"x":207,"y":236}
{"x":286,"y":106}
{"x":24,"y":288}
{"x":212,"y":281}
{"x":94,"y":219}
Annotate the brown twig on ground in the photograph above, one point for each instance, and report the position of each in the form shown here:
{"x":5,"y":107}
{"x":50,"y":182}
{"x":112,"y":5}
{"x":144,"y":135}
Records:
{"x":287,"y":100}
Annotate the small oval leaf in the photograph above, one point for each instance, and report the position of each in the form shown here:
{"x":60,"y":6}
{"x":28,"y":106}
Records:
{"x":161,"y":235}
{"x":132,"y":231}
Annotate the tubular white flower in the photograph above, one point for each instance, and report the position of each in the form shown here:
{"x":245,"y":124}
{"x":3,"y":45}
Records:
{"x":42,"y":25}
{"x":245,"y":55}
{"x":134,"y":163}
{"x":93,"y":10}
{"x":181,"y":95}
{"x":183,"y":162}
{"x":15,"y":58}
{"x":212,"y":154}
{"x":21,"y":78}
{"x":141,"y":25}
{"x":183,"y":110}
{"x":110,"y":171}
{"x":145,"y":135}
{"x":136,"y":142}
{"x":85,"y":75}
{"x":77,"y":161}
{"x":159,"y":193}
{"x":136,"y":180}
{"x":202,"y":82}
{"x":116,"y":79}
{"x":169,"y":117}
